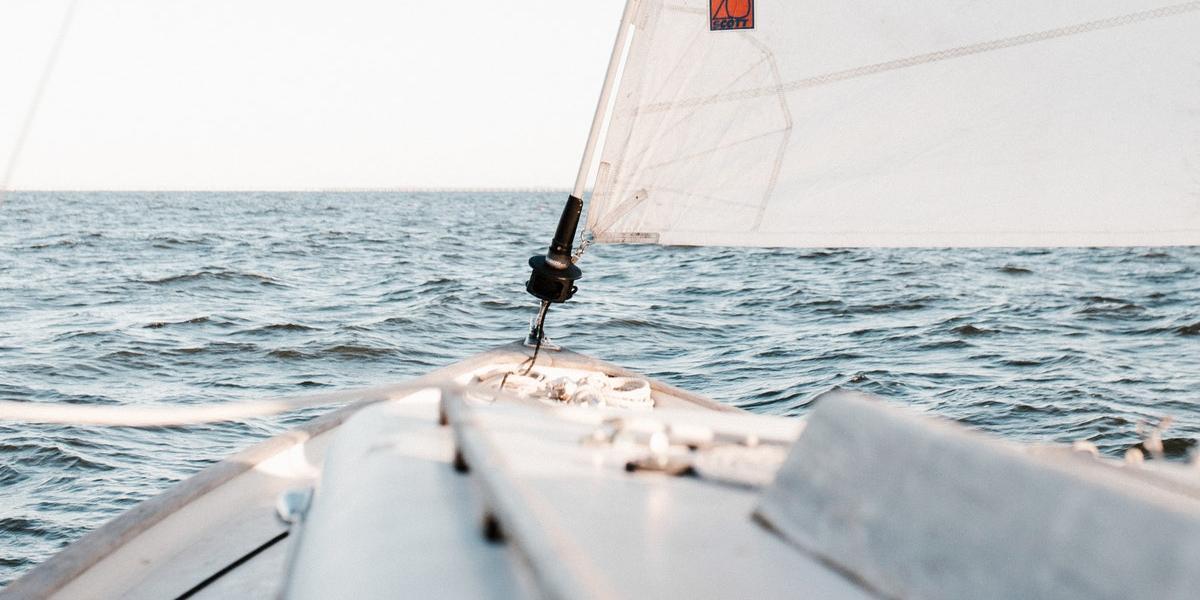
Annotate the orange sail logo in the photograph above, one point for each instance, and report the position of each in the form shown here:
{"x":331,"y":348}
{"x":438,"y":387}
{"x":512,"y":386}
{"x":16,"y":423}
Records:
{"x":730,"y":14}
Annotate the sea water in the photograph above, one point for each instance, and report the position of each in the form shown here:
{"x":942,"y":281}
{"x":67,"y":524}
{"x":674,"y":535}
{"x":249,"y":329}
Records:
{"x":199,"y":298}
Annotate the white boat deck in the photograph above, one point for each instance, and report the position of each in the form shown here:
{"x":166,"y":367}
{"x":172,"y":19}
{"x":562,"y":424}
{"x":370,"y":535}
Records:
{"x":217,"y":535}
{"x":575,"y":523}
{"x":591,"y":529}
{"x":394,"y":519}
{"x":444,"y":493}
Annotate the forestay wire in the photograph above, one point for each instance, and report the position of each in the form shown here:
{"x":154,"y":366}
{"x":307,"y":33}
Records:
{"x":36,"y":102}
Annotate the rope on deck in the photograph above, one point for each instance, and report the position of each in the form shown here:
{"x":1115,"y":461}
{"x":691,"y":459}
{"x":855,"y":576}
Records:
{"x":176,"y":416}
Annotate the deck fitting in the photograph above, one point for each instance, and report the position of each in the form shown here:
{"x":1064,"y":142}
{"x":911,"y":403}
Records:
{"x":492,"y":531}
{"x":460,"y":463}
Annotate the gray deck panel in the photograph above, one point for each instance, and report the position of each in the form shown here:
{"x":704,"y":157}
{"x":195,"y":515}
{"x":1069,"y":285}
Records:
{"x":393,"y":519}
{"x":592,"y":530}
{"x":170,"y":542}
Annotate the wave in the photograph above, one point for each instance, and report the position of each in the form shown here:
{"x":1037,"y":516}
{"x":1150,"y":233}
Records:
{"x":342,"y":351}
{"x":22,"y":525}
{"x":213,"y":348}
{"x":969,"y":330}
{"x":13,"y":562}
{"x":277,"y":328}
{"x":1039,"y":362}
{"x":49,"y":456}
{"x":889,"y":307}
{"x":165,"y":242}
{"x":1102,"y":305}
{"x":180,"y":300}
{"x":213,"y":275}
{"x":944,"y":345}
{"x":357,"y":351}
{"x":10,"y":475}
{"x":162,"y":324}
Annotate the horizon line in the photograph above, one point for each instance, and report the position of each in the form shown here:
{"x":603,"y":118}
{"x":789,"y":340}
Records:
{"x":396,"y":189}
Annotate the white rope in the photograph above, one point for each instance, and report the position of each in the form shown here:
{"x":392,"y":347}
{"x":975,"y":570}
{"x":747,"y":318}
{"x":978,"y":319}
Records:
{"x":175,"y":416}
{"x":165,"y":416}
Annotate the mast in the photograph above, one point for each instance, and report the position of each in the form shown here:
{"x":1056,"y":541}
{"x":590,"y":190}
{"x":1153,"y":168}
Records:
{"x":610,"y":79}
{"x":553,"y":277}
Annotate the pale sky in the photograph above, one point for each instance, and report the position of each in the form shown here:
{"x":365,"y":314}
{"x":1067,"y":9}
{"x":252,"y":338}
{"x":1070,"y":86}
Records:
{"x":304,"y":94}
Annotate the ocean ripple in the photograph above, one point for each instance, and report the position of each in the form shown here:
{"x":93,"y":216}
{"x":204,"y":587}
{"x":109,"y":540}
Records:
{"x":192,"y":298}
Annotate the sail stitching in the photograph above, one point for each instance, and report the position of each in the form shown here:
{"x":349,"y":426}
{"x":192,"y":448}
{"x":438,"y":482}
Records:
{"x":941,"y":55}
{"x":669,"y":79}
{"x":688,"y":117}
{"x":777,"y":166}
{"x":754,"y":138}
{"x":661,"y":132}
{"x":602,"y":225}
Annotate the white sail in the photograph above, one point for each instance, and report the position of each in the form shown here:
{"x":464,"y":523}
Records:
{"x":940,"y":123}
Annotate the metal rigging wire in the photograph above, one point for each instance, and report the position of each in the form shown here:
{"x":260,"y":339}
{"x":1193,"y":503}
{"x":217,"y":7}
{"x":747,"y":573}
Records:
{"x":43,"y":82}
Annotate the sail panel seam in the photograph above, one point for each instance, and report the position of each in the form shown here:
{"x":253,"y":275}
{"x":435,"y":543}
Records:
{"x":931,"y":57}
